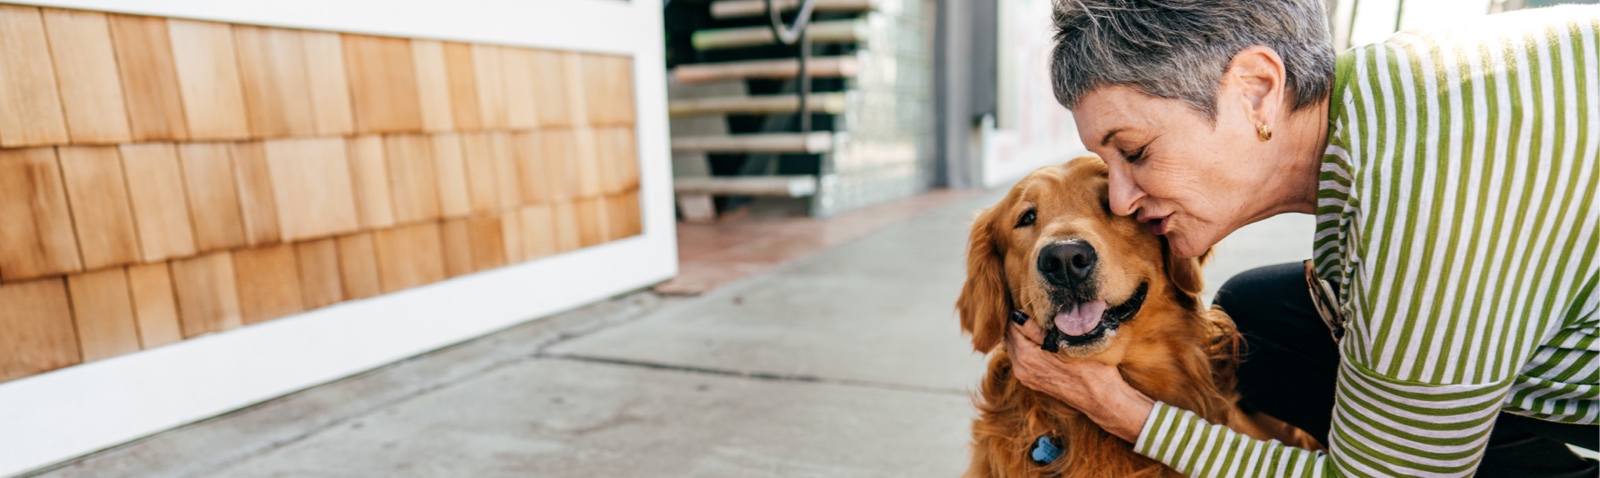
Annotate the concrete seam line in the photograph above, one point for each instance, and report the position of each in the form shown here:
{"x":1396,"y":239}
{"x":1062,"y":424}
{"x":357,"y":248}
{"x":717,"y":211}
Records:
{"x":763,"y":376}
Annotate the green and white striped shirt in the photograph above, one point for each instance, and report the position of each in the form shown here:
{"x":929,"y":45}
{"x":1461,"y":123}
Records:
{"x":1457,"y":214}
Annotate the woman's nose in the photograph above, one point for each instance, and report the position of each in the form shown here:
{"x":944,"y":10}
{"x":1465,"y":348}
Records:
{"x":1124,"y":194}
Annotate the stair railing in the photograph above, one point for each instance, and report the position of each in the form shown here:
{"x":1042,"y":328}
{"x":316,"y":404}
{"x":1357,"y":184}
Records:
{"x":792,"y":35}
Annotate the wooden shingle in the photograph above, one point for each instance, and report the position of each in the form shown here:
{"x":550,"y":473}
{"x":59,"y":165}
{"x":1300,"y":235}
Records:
{"x":550,"y":86}
{"x":32,"y":113}
{"x":527,"y":149}
{"x":269,"y":283}
{"x":463,"y":77}
{"x":477,"y":155}
{"x":358,"y":266}
{"x":409,"y":256}
{"x":311,"y":186}
{"x":160,"y":207}
{"x":450,"y":167}
{"x":272,"y":70}
{"x":517,"y":69}
{"x":488,"y":242}
{"x":327,"y":82}
{"x":208,"y":178}
{"x":39,"y":334}
{"x":258,"y":207}
{"x":383,"y":84}
{"x":538,"y":231}
{"x":433,"y":85}
{"x":103,"y":312}
{"x":149,"y":78}
{"x":411,"y":178}
{"x":37,"y":239}
{"x":491,"y":82}
{"x":320,"y":281}
{"x":208,"y":300}
{"x":456,"y":242}
{"x":101,"y":213}
{"x":208,"y":78}
{"x":155,"y":307}
{"x":369,"y":173}
{"x":86,"y":72}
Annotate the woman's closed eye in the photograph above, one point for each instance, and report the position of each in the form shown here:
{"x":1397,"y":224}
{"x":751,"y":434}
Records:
{"x":1135,"y":156}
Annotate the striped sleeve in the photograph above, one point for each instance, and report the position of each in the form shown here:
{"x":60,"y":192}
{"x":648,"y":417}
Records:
{"x":1456,"y":213}
{"x":1381,"y":427}
{"x":1188,"y":443}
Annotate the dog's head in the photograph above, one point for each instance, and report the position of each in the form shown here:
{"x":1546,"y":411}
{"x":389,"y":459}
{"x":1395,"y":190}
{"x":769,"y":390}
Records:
{"x":1053,"y":251}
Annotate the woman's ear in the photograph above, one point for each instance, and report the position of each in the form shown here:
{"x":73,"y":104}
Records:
{"x":1185,"y":274}
{"x":1259,"y":75}
{"x":983,"y":304}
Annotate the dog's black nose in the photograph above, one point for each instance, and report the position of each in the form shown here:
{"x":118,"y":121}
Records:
{"x":1065,"y":263}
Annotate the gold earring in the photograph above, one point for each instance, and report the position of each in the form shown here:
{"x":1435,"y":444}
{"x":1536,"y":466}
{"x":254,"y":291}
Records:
{"x":1263,"y":132}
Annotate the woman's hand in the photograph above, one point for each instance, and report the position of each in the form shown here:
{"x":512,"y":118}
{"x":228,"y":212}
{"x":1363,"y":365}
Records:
{"x":1092,"y":387}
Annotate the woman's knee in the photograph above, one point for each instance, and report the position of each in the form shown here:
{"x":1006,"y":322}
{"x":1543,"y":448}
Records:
{"x":1259,"y":294}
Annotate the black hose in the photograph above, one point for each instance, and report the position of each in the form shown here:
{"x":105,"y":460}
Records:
{"x":792,"y":35}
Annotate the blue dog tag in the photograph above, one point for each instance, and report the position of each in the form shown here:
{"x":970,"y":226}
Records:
{"x":1045,"y":451}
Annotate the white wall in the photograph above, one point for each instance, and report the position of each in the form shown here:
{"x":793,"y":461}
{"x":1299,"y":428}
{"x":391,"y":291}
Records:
{"x":1375,"y":19}
{"x":1031,"y":129}
{"x":51,"y":417}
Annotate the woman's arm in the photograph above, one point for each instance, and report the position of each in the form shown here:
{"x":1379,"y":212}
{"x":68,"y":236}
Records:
{"x":1381,"y":426}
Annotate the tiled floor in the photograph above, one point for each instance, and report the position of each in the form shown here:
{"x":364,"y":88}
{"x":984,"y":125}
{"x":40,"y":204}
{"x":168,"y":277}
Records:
{"x":742,"y":244}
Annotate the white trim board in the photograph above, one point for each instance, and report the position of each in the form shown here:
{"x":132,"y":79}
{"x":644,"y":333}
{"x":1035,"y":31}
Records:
{"x":56,"y":416}
{"x":48,"y":418}
{"x":602,"y":26}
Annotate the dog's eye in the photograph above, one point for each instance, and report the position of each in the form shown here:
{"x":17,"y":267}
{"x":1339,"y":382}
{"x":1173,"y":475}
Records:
{"x":1026,"y":219}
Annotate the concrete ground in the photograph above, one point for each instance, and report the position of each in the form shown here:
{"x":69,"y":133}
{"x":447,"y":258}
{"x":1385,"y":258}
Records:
{"x":848,"y":363}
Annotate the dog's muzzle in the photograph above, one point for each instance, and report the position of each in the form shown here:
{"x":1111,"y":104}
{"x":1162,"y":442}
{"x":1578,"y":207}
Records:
{"x":1113,"y":317}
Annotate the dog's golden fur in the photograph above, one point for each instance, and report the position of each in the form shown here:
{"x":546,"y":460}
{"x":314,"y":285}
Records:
{"x":1172,"y":350}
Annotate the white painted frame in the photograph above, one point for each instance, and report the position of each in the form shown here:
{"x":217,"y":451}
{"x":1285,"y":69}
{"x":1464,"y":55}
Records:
{"x":52,"y":417}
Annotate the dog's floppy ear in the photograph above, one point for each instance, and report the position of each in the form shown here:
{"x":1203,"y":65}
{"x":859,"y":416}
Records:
{"x":1184,"y":273}
{"x":983,"y":303}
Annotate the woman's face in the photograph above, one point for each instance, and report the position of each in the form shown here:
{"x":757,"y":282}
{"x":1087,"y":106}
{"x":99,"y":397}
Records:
{"x":1186,"y":178}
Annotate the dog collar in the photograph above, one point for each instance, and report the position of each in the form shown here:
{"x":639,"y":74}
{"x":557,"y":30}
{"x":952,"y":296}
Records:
{"x":1052,"y":337}
{"x":1045,"y":450}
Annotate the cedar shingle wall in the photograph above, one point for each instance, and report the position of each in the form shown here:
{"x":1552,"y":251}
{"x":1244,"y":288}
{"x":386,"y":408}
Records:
{"x":162,"y":179}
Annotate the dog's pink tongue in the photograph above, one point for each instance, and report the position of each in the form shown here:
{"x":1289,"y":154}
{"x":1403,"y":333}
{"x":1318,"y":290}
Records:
{"x":1081,"y":318}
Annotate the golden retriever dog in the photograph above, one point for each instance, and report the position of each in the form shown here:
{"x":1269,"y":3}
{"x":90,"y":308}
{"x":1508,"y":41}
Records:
{"x":1103,"y":288}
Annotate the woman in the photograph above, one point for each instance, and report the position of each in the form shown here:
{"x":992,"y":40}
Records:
{"x":1454,"y":179}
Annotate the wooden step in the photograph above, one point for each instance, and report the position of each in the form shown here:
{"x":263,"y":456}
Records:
{"x":834,"y":31}
{"x":750,"y":8}
{"x":788,"y":186}
{"x":829,"y":103}
{"x":813,"y":143}
{"x":818,"y":67}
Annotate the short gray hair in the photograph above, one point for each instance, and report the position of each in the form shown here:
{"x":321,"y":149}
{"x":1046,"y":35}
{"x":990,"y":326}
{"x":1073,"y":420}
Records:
{"x":1179,"y":49}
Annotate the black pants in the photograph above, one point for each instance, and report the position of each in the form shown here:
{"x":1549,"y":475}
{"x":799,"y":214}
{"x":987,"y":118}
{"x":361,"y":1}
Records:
{"x":1291,"y":363}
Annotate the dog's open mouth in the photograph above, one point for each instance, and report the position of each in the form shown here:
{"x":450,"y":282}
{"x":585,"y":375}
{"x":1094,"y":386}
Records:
{"x":1086,"y":322}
